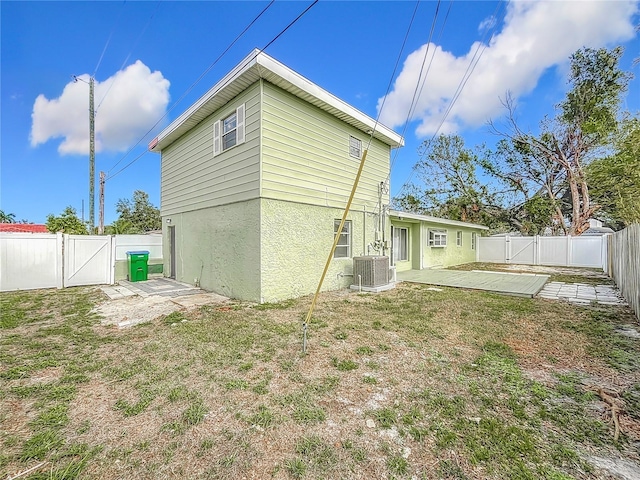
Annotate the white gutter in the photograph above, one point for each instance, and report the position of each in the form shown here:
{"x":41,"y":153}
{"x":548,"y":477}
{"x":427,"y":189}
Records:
{"x":428,"y":218}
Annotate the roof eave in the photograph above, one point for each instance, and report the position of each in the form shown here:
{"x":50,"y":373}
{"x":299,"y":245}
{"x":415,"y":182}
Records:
{"x":428,"y":218}
{"x":264,"y":66}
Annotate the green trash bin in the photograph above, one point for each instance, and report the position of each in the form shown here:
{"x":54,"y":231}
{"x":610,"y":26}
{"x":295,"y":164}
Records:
{"x":138,"y":268}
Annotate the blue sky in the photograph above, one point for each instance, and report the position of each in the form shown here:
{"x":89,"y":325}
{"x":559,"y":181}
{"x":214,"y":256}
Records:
{"x":146,"y":55}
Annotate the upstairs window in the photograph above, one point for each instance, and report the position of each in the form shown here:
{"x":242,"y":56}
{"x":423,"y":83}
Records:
{"x":355,"y":147}
{"x":229,"y":131}
{"x":343,"y":248}
{"x":437,"y":238}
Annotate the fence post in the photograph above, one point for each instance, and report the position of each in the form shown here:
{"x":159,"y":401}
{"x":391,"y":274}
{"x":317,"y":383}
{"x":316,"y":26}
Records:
{"x":569,"y":245}
{"x":112,"y":259}
{"x":59,"y":260}
{"x":507,"y":249}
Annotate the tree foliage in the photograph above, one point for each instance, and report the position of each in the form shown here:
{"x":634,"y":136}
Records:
{"x":137,"y":215}
{"x":615,"y":180}
{"x":68,"y":222}
{"x":552,"y":163}
{"x":536,"y":182}
{"x":7,"y":217}
{"x":452,"y":190}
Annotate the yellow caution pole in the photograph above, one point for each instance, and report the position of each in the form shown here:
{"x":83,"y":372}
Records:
{"x":330,"y":256}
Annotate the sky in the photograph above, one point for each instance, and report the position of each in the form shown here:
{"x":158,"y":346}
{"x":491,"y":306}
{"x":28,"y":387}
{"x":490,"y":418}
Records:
{"x":151,"y":60}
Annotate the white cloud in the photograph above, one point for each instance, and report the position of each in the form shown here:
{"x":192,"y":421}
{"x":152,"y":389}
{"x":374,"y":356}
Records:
{"x":487,"y":24}
{"x":135,"y":99}
{"x":535,"y":36}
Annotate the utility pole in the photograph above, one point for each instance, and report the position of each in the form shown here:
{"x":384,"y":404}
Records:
{"x":92,"y":152}
{"x":101,"y":216}
{"x":92,"y":156}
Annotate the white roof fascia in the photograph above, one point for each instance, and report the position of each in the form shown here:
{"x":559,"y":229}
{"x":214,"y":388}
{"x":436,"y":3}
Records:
{"x":262,"y":61}
{"x":324,"y":96}
{"x":428,"y":218}
{"x":246,"y":63}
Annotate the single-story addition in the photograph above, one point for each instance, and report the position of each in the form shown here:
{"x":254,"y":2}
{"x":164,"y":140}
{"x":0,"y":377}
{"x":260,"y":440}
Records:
{"x":255,"y":177}
{"x":422,"y":241}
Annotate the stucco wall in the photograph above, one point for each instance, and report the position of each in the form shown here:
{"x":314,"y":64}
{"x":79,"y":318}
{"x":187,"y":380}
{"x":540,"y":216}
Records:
{"x":451,"y":254}
{"x":296,"y":239}
{"x":218,"y":247}
{"x":434,"y":257}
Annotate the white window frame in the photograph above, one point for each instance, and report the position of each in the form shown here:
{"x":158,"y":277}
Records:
{"x":343,"y":248}
{"x":355,"y":147}
{"x":237,"y":130}
{"x":474,"y":240}
{"x":400,"y":254}
{"x":437,"y":238}
{"x":459,"y":238}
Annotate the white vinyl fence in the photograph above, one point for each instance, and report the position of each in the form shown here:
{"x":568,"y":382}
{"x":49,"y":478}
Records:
{"x":625,"y":264}
{"x":46,"y":260}
{"x":30,"y":260}
{"x":568,"y":251}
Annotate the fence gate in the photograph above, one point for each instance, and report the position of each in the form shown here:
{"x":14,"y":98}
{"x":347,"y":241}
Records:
{"x":562,"y":251}
{"x":88,"y":260}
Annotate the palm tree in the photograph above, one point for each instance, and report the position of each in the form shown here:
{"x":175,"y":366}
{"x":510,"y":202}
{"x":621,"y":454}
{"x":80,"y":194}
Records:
{"x":7,"y":217}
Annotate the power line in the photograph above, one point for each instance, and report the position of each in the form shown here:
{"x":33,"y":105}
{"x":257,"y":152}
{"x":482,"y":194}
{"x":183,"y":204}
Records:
{"x":106,"y":45}
{"x":208,"y":69}
{"x":463,"y":81}
{"x":393,"y":74}
{"x":184,"y":95}
{"x":135,"y":44}
{"x":412,"y":105}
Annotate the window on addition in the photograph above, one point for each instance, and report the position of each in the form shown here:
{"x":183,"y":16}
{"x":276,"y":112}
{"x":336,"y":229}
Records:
{"x":437,"y":238}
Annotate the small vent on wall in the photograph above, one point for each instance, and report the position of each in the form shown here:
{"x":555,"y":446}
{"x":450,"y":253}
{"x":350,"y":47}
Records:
{"x":373,"y":270}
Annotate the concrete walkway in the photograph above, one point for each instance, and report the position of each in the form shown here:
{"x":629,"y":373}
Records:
{"x":582,"y":293}
{"x":520,"y":284}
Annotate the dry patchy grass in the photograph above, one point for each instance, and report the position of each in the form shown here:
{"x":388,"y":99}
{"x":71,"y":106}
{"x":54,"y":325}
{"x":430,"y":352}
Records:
{"x":407,"y":383}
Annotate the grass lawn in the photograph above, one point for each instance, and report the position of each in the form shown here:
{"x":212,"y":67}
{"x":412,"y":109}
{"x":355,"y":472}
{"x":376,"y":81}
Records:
{"x":409,"y":383}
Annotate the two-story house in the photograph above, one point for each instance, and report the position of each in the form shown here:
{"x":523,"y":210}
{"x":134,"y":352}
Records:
{"x":254,"y":180}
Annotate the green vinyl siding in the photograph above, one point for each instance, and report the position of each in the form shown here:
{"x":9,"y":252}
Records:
{"x":305,"y":155}
{"x":192,"y":178}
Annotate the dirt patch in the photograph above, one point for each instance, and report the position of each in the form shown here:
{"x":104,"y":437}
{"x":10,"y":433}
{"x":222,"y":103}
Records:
{"x":129,"y":311}
{"x":134,"y":310}
{"x":555,"y":270}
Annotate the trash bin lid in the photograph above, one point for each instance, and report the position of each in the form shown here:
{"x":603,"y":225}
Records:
{"x":138,"y":252}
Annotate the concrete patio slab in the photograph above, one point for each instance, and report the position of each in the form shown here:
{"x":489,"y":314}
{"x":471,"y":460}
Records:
{"x":520,"y":284}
